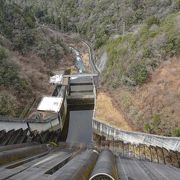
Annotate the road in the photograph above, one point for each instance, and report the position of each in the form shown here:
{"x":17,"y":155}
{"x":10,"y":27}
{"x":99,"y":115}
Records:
{"x":102,"y":62}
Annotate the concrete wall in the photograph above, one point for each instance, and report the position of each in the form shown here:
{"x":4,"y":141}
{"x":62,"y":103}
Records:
{"x":43,"y":126}
{"x":34,"y":126}
{"x":12,"y":125}
{"x":112,"y":133}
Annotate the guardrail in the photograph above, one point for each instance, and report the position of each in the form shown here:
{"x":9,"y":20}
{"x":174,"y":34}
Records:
{"x":112,"y":133}
{"x":91,"y":59}
{"x":91,"y":62}
{"x":137,"y":138}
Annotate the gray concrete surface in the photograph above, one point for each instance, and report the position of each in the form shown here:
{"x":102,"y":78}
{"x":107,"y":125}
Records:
{"x":80,"y":127}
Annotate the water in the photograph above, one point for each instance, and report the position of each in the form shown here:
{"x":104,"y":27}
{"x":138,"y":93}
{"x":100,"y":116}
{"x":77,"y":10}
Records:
{"x":78,"y":60}
{"x":79,"y":65}
{"x":80,"y":126}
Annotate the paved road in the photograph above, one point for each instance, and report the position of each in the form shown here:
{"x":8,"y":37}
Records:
{"x":102,"y":62}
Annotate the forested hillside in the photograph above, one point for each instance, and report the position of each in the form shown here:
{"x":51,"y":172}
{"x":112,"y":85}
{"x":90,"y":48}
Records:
{"x":27,"y":57}
{"x":140,"y":37}
{"x":98,"y":20}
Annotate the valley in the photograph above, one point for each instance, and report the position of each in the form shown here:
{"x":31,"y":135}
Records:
{"x":135,"y":46}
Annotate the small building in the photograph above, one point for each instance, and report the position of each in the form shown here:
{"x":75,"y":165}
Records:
{"x":52,"y":104}
{"x":49,"y":114}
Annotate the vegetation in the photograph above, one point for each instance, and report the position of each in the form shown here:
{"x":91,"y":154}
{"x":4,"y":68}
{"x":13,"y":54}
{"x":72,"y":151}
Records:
{"x":20,"y":36}
{"x":138,"y":36}
{"x":132,"y":58}
{"x":176,"y":132}
{"x":17,"y":25}
{"x":98,"y":20}
{"x":154,"y":126}
{"x":134,"y":55}
{"x":152,"y":20}
{"x":8,"y":104}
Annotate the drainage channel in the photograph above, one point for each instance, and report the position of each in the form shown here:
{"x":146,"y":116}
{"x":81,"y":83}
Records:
{"x":80,"y":126}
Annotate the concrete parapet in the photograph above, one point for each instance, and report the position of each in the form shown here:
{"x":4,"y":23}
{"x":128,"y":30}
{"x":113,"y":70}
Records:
{"x":138,"y":151}
{"x":20,"y":153}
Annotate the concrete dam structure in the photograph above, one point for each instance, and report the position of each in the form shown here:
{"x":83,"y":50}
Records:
{"x":72,"y":145}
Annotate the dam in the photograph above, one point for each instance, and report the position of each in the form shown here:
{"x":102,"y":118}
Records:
{"x":72,"y":144}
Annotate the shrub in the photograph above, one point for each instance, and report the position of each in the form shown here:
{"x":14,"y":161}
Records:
{"x":156,"y":120}
{"x":176,"y":132}
{"x":137,"y":73}
{"x":7,"y":104}
{"x":139,"y":15}
{"x":102,"y":36}
{"x":100,"y":41}
{"x":147,"y":53}
{"x":177,"y":3}
{"x":21,"y":85}
{"x":147,"y":127}
{"x":8,"y":74}
{"x":152,"y":20}
{"x":3,"y":53}
{"x":39,"y":13}
{"x":24,"y":40}
{"x":30,"y":22}
{"x":154,"y":125}
{"x":172,"y":47}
